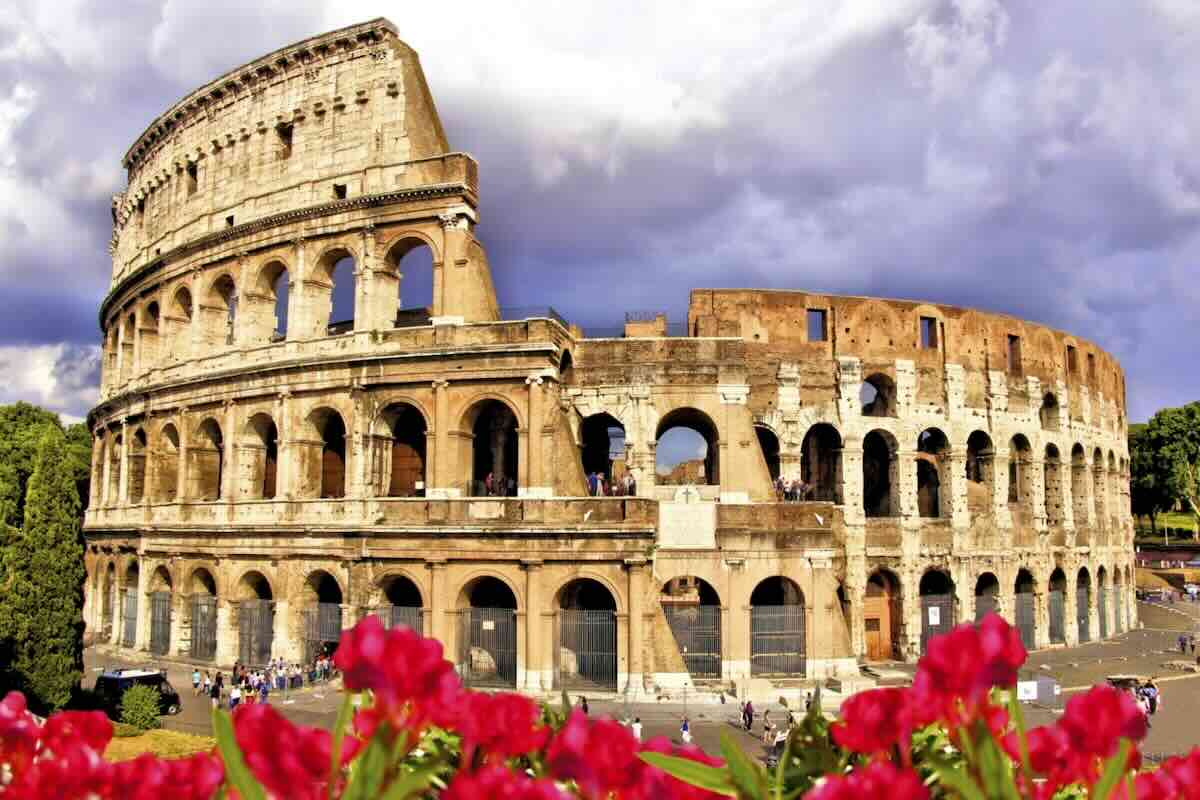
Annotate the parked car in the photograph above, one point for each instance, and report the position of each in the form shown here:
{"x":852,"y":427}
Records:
{"x":112,"y":684}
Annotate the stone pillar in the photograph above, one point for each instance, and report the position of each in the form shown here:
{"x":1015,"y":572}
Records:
{"x":852,"y":483}
{"x":299,"y":317}
{"x":123,"y":478}
{"x":538,"y":668}
{"x":1037,"y":467}
{"x":181,"y":473}
{"x":229,"y":469}
{"x":282,"y":645}
{"x":227,"y":644}
{"x":1000,"y":488}
{"x":1070,"y":609}
{"x":956,"y":462}
{"x":906,"y":481}
{"x":283,"y":433}
{"x":441,"y":471}
{"x":142,"y":637}
{"x":535,"y":483}
{"x":735,"y":623}
{"x":441,"y":608}
{"x":178,"y":607}
{"x":637,"y":590}
{"x":95,"y":488}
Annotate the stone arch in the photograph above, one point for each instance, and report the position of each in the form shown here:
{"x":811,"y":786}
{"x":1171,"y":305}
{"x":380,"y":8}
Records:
{"x":939,"y":606}
{"x":1083,"y":603}
{"x":883,"y":615}
{"x":271,"y":297}
{"x":128,"y":353}
{"x":877,"y":396}
{"x":399,"y":601}
{"x":981,"y":473}
{"x":1050,"y":413}
{"x":166,"y":456}
{"x":206,"y":454}
{"x":881,"y":477}
{"x":778,"y":640}
{"x":1099,"y":486}
{"x":934,"y":488}
{"x":1052,"y":483}
{"x":334,"y":284}
{"x":768,"y":445}
{"x":400,"y":465}
{"x":148,"y":334}
{"x":1020,"y":480}
{"x":258,"y":450}
{"x":821,"y":463}
{"x":602,"y":450}
{"x":219,"y":310}
{"x":987,"y":595}
{"x":321,"y":597}
{"x":137,"y":465}
{"x":1025,"y":607}
{"x":116,"y":446}
{"x":1114,"y":491}
{"x":252,"y":584}
{"x":1079,"y":485}
{"x":693,"y":611}
{"x":200,"y":612}
{"x":487,"y":636}
{"x":566,"y":368}
{"x":597,"y":581}
{"x":178,"y":323}
{"x":491,"y":433}
{"x":109,"y":600}
{"x":484,"y":587}
{"x":160,"y":580}
{"x":323,"y":454}
{"x":706,"y":469}
{"x":587,"y":593}
{"x":1057,"y":598}
{"x":412,"y":278}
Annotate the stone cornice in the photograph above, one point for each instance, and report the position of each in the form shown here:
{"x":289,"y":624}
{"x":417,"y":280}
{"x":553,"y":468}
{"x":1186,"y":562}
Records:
{"x":274,"y":220}
{"x":248,"y":74}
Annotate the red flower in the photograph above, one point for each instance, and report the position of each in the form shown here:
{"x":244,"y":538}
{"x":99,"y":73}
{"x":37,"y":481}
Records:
{"x":500,"y":783}
{"x":149,"y":778}
{"x":877,"y":779}
{"x":91,"y":728}
{"x":502,"y":725}
{"x":18,"y":733}
{"x":960,"y":668}
{"x":1097,"y":720}
{"x":290,"y":761}
{"x":874,"y":721}
{"x":1176,"y":778}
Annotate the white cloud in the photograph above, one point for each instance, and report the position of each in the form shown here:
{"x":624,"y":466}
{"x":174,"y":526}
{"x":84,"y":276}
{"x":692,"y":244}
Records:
{"x":945,"y":55}
{"x":57,"y":377}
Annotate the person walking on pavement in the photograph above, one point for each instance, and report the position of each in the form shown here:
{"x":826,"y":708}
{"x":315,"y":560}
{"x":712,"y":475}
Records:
{"x":749,"y":715}
{"x":636,"y":727}
{"x":685,"y":731}
{"x":583,"y":704}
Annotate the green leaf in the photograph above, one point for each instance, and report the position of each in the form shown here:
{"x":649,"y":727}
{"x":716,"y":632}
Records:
{"x":1018,"y":717}
{"x":957,"y":780}
{"x":409,"y":784}
{"x":368,"y":771}
{"x":566,"y":704}
{"x":693,"y":773}
{"x":236,"y":772}
{"x":1114,"y":770}
{"x":339,"y":731}
{"x":748,"y":776}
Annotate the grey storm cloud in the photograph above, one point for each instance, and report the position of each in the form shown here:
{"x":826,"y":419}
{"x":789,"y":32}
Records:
{"x":1037,"y":159}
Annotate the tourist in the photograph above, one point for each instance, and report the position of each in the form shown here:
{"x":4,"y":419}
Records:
{"x":748,"y":715}
{"x":636,"y":727}
{"x":512,"y":487}
{"x":685,"y":731}
{"x":807,"y":701}
{"x":1153,"y":696}
{"x":1182,"y":643}
{"x":235,"y":696}
{"x":768,"y":728}
{"x":264,"y":691}
{"x":583,"y":704}
{"x":488,"y":485}
{"x":214,"y":693}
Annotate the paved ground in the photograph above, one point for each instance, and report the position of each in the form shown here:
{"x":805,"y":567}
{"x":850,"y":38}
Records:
{"x":1176,"y":728}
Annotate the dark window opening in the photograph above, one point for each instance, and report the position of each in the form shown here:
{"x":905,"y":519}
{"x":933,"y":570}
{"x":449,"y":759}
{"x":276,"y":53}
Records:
{"x":603,"y":452}
{"x":768,"y":442}
{"x":339,"y":191}
{"x":193,"y":177}
{"x":1014,"y":355}
{"x":229,"y":221}
{"x":1091,"y":366}
{"x":929,"y":333}
{"x":1072,"y":366}
{"x":285,"y":140}
{"x":817,"y":330}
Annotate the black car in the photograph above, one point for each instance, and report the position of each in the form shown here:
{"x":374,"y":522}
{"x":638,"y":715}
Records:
{"x":112,"y":684}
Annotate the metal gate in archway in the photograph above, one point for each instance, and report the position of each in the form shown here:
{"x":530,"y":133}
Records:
{"x":585,"y":649}
{"x":937,"y":616}
{"x":986,"y":604}
{"x":1102,"y":604}
{"x":403,"y":616}
{"x":1026,"y":618}
{"x":487,"y":646}
{"x":256,"y":631}
{"x":204,"y":626}
{"x":160,"y":622}
{"x":777,"y":640}
{"x":1058,"y":616}
{"x":129,"y":618}
{"x":1082,"y":595}
{"x":697,"y":632}
{"x":322,"y":629}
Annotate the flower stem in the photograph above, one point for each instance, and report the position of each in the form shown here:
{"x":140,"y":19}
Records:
{"x":1018,"y":716}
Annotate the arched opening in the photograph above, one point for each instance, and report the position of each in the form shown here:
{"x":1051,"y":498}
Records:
{"x":1102,"y":601}
{"x":981,"y":473}
{"x":259,"y":451}
{"x":1083,"y":604}
{"x":987,"y":596}
{"x":256,"y":619}
{"x":400,"y":451}
{"x":128,"y":334}
{"x":322,"y":599}
{"x":116,"y":445}
{"x":1025,"y":607}
{"x":883,"y":616}
{"x":179,"y":324}
{"x":1052,"y":481}
{"x":166,"y":473}
{"x":1020,"y":480}
{"x":1079,"y":485}
{"x":326,"y":456}
{"x":686,"y":449}
{"x":1114,"y":492}
{"x":881,"y":480}
{"x":1056,"y":599}
{"x":821,"y":463}
{"x":768,"y":445}
{"x":160,"y":611}
{"x":933,"y":494}
{"x":201,"y":624}
{"x":137,"y":466}
{"x":586,"y":651}
{"x":337,"y":269}
{"x":487,"y":634}
{"x":273,"y":290}
{"x":877,"y":397}
{"x":937,"y":605}
{"x":109,"y":601}
{"x":693,"y":612}
{"x":603,"y":453}
{"x":402,"y":603}
{"x":566,"y":368}
{"x":1049,"y":412}
{"x":148,"y":336}
{"x":112,"y":374}
{"x":207,"y":454}
{"x":1099,"y":496}
{"x":494,"y":449}
{"x":129,"y":605}
{"x":411,"y":262}
{"x":777,"y":629}
{"x":220,"y":312}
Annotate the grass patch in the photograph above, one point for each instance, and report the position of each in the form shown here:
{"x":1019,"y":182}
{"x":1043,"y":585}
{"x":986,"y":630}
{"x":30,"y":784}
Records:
{"x":168,"y":744}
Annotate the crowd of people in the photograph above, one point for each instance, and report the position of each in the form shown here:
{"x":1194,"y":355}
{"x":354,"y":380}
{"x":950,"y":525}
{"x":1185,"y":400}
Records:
{"x":601,"y":486}
{"x":792,"y":490}
{"x":256,"y":685}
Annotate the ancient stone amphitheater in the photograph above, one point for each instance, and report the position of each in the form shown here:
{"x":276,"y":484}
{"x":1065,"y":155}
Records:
{"x":266,"y":473}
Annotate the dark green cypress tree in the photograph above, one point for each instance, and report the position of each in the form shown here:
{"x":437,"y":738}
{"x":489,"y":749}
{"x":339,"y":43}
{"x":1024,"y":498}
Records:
{"x":9,"y":520}
{"x":44,"y":574}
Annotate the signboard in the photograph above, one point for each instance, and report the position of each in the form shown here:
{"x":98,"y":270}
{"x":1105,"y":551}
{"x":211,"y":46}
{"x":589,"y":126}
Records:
{"x":1027,"y":691}
{"x":935,"y":615}
{"x":489,"y":625}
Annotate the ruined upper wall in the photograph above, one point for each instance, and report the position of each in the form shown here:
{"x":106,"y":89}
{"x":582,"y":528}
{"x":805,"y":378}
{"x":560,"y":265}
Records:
{"x":879,"y":331}
{"x":334,"y":116}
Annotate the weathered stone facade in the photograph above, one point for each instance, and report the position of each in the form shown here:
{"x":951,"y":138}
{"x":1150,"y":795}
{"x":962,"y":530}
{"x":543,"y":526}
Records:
{"x":263,"y":474}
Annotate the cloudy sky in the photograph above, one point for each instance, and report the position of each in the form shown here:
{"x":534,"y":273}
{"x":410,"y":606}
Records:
{"x":1036,"y":158}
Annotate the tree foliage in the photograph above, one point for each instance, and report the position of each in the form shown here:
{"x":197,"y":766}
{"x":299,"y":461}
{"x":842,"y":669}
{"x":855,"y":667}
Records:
{"x":1147,"y":496}
{"x":139,"y":707}
{"x":43,"y":572}
{"x":1167,"y":460}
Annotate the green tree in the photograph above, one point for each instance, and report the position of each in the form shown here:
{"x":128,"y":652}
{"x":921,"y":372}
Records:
{"x":1174,"y":443}
{"x":44,"y":575}
{"x":79,"y":456}
{"x":21,"y":426}
{"x":1147,"y":496}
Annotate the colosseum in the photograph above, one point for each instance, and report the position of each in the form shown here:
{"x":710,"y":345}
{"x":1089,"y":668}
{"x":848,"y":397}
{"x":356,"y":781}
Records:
{"x":268,"y":470}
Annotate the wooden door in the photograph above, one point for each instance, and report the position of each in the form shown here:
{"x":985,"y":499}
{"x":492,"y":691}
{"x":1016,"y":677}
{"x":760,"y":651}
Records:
{"x":876,"y":649}
{"x":877,"y":624}
{"x":408,"y":469}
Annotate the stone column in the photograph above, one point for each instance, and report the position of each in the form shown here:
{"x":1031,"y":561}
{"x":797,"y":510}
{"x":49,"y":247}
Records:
{"x":440,"y":607}
{"x":282,"y":645}
{"x":956,"y":462}
{"x":227,"y":644}
{"x":441,"y":481}
{"x":1037,"y":466}
{"x":142,"y":637}
{"x":123,"y":478}
{"x":283,"y":430}
{"x":229,"y":469}
{"x":538,"y":668}
{"x":535,"y":484}
{"x":1070,"y":608}
{"x":1000,"y":488}
{"x":178,"y":607}
{"x":852,"y":483}
{"x":97,"y":480}
{"x":906,"y":481}
{"x":735,"y":623}
{"x":181,"y":476}
{"x":299,"y":318}
{"x":637,"y":589}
